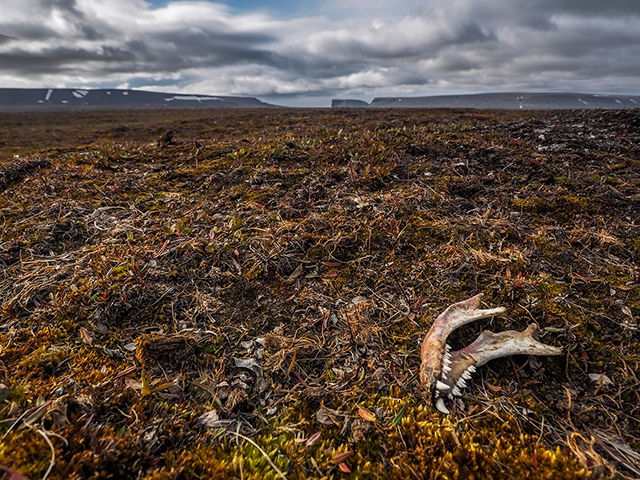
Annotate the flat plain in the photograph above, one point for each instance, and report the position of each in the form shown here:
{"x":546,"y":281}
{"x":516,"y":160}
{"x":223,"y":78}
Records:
{"x":237,"y":293}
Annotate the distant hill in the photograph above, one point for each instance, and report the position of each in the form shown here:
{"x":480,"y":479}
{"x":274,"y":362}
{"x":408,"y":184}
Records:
{"x":33,"y":99}
{"x":507,"y":101}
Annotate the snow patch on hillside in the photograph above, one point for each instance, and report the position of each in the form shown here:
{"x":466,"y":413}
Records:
{"x":193,"y":98}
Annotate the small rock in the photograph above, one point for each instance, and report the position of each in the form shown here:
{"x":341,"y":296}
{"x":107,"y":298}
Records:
{"x":59,"y":391}
{"x":272,"y":410}
{"x":601,"y":379}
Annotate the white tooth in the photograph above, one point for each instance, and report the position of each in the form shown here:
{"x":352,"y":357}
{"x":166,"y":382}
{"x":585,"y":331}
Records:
{"x":466,"y":375}
{"x":447,"y":362}
{"x":446,"y":368}
{"x":456,"y":391}
{"x":447,"y":347}
{"x":450,"y":396}
{"x":442,"y":386}
{"x":443,"y":376}
{"x":462,"y":383}
{"x":440,"y":406}
{"x":472,"y":369}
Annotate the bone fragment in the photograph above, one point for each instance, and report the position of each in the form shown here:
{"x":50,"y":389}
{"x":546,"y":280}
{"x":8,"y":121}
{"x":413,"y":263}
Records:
{"x":442,"y":386}
{"x":434,"y":345}
{"x":489,"y":346}
{"x":441,"y":407}
{"x":444,"y":373}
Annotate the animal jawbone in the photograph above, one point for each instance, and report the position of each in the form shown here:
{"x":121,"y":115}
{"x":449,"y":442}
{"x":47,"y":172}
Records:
{"x":444,"y":373}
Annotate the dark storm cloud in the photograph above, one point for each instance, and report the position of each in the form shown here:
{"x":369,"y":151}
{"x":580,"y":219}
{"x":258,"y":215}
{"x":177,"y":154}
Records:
{"x":540,"y":14}
{"x":6,"y":38}
{"x":58,"y":60}
{"x":133,"y":57}
{"x":34,"y":26}
{"x":29,"y":31}
{"x":197,"y":49}
{"x":587,"y":7}
{"x":160,"y":47}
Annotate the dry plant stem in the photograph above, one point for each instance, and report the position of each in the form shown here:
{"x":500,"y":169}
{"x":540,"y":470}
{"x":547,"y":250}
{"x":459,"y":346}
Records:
{"x":53,"y":453}
{"x":404,"y":294}
{"x":264,"y":454}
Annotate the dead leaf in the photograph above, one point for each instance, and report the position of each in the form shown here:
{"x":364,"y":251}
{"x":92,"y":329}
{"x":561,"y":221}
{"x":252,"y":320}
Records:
{"x":249,"y":363}
{"x":163,"y":386}
{"x":209,"y":419}
{"x":13,"y":475}
{"x":296,"y":273}
{"x":341,"y":457}
{"x":86,"y":336}
{"x":328,"y":416}
{"x":366,"y":415}
{"x":253,"y":365}
{"x":126,"y":371}
{"x":312,"y":440}
{"x":132,"y":383}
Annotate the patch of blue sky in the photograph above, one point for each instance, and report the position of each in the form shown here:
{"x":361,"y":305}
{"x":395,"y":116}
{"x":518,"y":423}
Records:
{"x":277,"y":8}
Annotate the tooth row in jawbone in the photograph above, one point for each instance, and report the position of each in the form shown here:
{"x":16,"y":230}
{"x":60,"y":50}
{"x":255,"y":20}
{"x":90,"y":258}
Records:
{"x":444,"y":374}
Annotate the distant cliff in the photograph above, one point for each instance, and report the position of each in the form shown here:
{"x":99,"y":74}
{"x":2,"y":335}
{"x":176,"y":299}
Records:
{"x":348,"y":103}
{"x":19,"y":99}
{"x":507,"y":101}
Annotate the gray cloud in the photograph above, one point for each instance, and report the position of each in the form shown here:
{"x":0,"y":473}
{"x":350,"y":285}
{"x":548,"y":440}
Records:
{"x":587,"y":7}
{"x":437,"y":46}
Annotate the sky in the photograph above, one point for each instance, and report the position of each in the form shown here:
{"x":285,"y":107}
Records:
{"x":304,"y":53}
